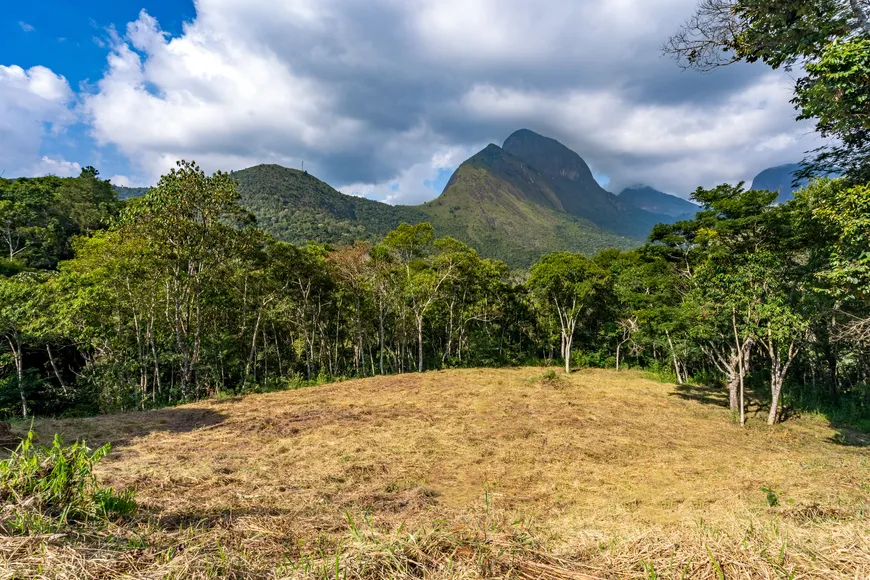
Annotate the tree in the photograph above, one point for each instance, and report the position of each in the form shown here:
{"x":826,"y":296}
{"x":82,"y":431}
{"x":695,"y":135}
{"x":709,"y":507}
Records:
{"x":844,"y":210}
{"x":424,"y":274}
{"x":187,"y":221}
{"x":571,"y":285}
{"x":18,"y":310}
{"x":830,"y":37}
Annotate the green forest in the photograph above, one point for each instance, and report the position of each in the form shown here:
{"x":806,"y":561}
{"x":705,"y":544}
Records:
{"x":177,"y":295}
{"x":110,"y":305}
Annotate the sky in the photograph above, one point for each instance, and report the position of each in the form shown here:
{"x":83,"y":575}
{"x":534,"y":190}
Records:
{"x":381,"y":98}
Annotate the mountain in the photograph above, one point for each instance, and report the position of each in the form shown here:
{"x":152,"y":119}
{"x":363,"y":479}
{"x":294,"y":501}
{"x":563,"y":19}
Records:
{"x":576,"y":188}
{"x":296,"y":207}
{"x":130,"y":192}
{"x":779,"y":178}
{"x":652,"y":200}
{"x":506,"y":209}
{"x":515,"y":203}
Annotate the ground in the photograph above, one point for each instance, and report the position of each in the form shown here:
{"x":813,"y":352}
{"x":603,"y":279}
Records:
{"x":471,"y":473}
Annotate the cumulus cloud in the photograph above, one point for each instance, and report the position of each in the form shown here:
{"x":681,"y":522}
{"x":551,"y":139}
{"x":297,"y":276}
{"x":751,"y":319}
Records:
{"x":34,"y":104}
{"x":59,"y":167}
{"x":381,"y":97}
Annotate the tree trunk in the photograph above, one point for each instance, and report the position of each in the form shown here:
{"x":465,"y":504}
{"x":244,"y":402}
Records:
{"x":420,"y":344}
{"x":618,"y":346}
{"x":775,"y":389}
{"x":54,"y":367}
{"x":674,"y":356}
{"x":19,"y":370}
{"x":381,"y":339}
{"x":778,"y":370}
{"x":568,"y":341}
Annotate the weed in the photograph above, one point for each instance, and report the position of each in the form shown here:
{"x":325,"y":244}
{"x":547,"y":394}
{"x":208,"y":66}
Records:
{"x":47,"y":487}
{"x":772,"y":498}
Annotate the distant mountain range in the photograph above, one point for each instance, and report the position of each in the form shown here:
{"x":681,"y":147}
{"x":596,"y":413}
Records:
{"x":658,"y":202}
{"x":516,"y":202}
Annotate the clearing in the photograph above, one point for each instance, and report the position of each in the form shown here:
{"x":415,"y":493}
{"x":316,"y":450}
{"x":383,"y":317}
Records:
{"x":467,"y":474}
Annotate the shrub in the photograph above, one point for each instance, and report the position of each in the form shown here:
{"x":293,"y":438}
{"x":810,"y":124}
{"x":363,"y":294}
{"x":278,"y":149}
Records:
{"x":46,"y":488}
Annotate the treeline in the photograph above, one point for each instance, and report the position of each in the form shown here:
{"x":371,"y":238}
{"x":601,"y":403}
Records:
{"x":178,"y":295}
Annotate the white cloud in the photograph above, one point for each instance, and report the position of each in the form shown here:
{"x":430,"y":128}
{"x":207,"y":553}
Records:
{"x":25,"y":27}
{"x":59,"y":167}
{"x":371,"y":94}
{"x":34,"y":104}
{"x":415,"y":184}
{"x":675,"y":146}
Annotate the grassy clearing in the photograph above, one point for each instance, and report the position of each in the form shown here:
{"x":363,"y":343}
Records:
{"x":469,"y":474}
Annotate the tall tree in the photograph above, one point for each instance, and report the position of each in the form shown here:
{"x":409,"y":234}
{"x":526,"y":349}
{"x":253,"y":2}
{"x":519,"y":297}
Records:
{"x":570,"y":285}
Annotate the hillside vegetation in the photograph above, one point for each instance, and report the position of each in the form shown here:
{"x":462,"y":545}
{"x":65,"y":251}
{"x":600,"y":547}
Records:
{"x":470,"y":474}
{"x":513,"y":204}
{"x":506,"y":209}
{"x":298,"y":208}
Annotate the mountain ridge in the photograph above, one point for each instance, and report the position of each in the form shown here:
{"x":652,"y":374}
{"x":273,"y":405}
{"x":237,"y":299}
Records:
{"x":780,"y":179}
{"x":515,"y":203}
{"x":576,"y":187}
{"x":652,"y":200}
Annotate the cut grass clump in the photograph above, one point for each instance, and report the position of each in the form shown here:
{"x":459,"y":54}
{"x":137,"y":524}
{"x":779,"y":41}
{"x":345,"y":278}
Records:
{"x":550,"y":378}
{"x":45,"y":489}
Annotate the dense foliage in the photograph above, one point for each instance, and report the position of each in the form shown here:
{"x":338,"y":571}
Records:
{"x":180,"y":297}
{"x":296,"y":207}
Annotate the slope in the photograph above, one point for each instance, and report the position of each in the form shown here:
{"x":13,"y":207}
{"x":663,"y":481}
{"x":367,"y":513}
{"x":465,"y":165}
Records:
{"x":454,"y":474}
{"x":780,"y":179}
{"x":506,"y":209}
{"x":576,"y":188}
{"x":297,"y":207}
{"x":654,"y":201}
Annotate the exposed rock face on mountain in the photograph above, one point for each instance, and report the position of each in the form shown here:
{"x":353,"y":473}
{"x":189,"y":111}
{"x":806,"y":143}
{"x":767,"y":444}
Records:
{"x":779,"y":178}
{"x":654,"y":201}
{"x":507,"y":209}
{"x":576,"y":188}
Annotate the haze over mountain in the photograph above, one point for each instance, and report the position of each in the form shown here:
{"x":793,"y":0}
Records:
{"x":779,"y":178}
{"x":658,"y":202}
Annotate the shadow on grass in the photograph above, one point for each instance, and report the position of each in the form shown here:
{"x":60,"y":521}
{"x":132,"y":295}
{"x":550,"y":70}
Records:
{"x":757,"y":409}
{"x":849,"y":437}
{"x":121,"y":429}
{"x":702,"y":394}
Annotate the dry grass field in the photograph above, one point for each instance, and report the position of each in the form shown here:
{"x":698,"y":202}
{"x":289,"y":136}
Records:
{"x":470,"y":474}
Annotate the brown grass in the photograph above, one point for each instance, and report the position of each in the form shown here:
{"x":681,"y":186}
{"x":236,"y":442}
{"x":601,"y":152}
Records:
{"x":468,"y":474}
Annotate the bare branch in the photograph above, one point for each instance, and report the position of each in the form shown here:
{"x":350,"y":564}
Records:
{"x":707,"y":40}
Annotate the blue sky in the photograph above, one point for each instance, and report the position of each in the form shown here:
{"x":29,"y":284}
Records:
{"x":69,"y":36}
{"x":378,"y":98}
{"x":72,"y":39}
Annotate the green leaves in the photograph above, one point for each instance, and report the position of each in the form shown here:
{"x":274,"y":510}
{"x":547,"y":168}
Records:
{"x":836,"y":94}
{"x":846,"y":211}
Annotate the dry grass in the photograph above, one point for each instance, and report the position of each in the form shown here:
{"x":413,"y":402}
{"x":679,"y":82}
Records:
{"x":469,"y":474}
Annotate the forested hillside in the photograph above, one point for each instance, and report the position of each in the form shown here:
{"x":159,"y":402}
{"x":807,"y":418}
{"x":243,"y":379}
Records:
{"x":179,"y":296}
{"x":298,"y":208}
{"x":178,"y":328}
{"x":500,"y":203}
{"x":505,"y":209}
